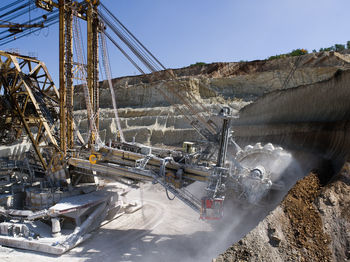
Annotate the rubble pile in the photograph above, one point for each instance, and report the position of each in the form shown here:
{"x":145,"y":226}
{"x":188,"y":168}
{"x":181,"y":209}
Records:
{"x":311,"y":224}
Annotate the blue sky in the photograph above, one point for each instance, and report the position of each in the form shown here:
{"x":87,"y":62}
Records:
{"x":183,"y":32}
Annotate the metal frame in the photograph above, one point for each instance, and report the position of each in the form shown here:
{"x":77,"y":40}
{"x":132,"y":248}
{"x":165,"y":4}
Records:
{"x":86,"y":10}
{"x":25,"y":81}
{"x":92,"y":62}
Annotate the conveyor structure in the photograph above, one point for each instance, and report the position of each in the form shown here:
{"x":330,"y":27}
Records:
{"x":56,"y":180}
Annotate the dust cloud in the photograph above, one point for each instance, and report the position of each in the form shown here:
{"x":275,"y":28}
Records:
{"x":239,"y":219}
{"x":169,"y":231}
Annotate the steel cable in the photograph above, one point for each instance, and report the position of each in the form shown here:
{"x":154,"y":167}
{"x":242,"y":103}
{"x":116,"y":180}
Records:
{"x":11,"y":4}
{"x":80,"y":57}
{"x":107,"y":68}
{"x":124,"y":53}
{"x":16,"y":9}
{"x":22,"y":35}
{"x":128,"y":40}
{"x":151,"y":65}
{"x":49,"y":22}
{"x":135,"y":43}
{"x":133,"y":36}
{"x":146,"y":61}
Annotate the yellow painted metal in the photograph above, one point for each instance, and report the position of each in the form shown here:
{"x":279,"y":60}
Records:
{"x":154,"y":161}
{"x":93,"y":159}
{"x":43,"y":121}
{"x":96,"y":92}
{"x":115,"y":154}
{"x":87,"y":11}
{"x":69,"y":73}
{"x":24,"y":80}
{"x":66,"y":75}
{"x":48,"y":5}
{"x":125,"y":170}
{"x":107,"y":171}
{"x":62,"y":76}
{"x":92,"y":64}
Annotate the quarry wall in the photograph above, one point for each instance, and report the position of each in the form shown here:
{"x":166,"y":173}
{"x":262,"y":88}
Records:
{"x":148,"y":117}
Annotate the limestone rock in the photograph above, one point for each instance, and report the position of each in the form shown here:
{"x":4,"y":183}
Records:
{"x":147,"y":116}
{"x":306,"y":226}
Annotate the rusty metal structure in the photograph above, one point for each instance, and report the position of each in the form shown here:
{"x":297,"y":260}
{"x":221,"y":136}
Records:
{"x":38,"y":179}
{"x":27,"y":84}
{"x":59,"y":181}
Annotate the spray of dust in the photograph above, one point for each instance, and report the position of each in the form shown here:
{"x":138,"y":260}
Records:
{"x":239,"y":219}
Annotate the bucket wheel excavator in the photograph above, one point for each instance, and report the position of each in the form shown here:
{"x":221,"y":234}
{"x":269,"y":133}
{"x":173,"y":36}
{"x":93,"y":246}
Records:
{"x":62,"y":159}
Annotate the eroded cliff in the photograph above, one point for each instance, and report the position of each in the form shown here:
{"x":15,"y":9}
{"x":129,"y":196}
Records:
{"x":148,"y":117}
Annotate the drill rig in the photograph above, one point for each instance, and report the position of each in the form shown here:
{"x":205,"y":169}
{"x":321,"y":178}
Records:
{"x":63,"y":160}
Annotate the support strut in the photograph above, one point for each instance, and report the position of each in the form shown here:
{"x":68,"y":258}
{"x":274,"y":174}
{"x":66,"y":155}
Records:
{"x":225,"y":113}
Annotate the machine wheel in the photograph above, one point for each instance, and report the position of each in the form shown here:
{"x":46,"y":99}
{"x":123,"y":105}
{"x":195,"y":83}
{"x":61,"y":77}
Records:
{"x":265,"y":168}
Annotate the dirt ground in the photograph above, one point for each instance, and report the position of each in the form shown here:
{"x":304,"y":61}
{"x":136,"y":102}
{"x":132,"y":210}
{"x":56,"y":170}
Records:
{"x":162,"y":230}
{"x":305,"y":219}
{"x":311,"y":224}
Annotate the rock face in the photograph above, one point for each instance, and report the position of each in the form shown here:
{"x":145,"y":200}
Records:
{"x":148,"y":117}
{"x":244,"y":80}
{"x":313,"y":118}
{"x":311,"y":224}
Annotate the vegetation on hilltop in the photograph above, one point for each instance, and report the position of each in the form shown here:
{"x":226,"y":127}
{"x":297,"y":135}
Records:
{"x":297,"y":52}
{"x":198,"y":64}
{"x":301,"y":51}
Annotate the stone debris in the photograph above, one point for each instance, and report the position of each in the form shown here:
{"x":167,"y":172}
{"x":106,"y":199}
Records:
{"x":311,"y":224}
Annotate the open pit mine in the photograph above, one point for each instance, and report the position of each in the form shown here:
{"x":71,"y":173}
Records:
{"x":242,"y":161}
{"x":307,"y":118}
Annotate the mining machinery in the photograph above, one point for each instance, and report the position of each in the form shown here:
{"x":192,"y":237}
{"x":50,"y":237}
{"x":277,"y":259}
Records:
{"x":55,"y":180}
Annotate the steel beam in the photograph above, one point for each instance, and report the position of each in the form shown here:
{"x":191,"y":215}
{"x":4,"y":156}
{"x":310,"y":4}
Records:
{"x":62,"y":76}
{"x":69,"y":73}
{"x":92,"y":64}
{"x":28,"y":86}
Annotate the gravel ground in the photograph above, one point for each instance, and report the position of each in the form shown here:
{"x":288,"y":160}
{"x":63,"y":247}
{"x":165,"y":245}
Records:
{"x":161,"y":230}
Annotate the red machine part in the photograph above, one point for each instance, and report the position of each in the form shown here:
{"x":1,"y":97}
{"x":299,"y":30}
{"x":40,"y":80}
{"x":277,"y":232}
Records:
{"x":212,"y":208}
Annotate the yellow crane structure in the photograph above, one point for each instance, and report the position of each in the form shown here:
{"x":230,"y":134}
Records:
{"x":86,"y":10}
{"x":19,"y":74}
{"x":174,"y":170}
{"x":37,"y":106}
{"x":13,"y":65}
